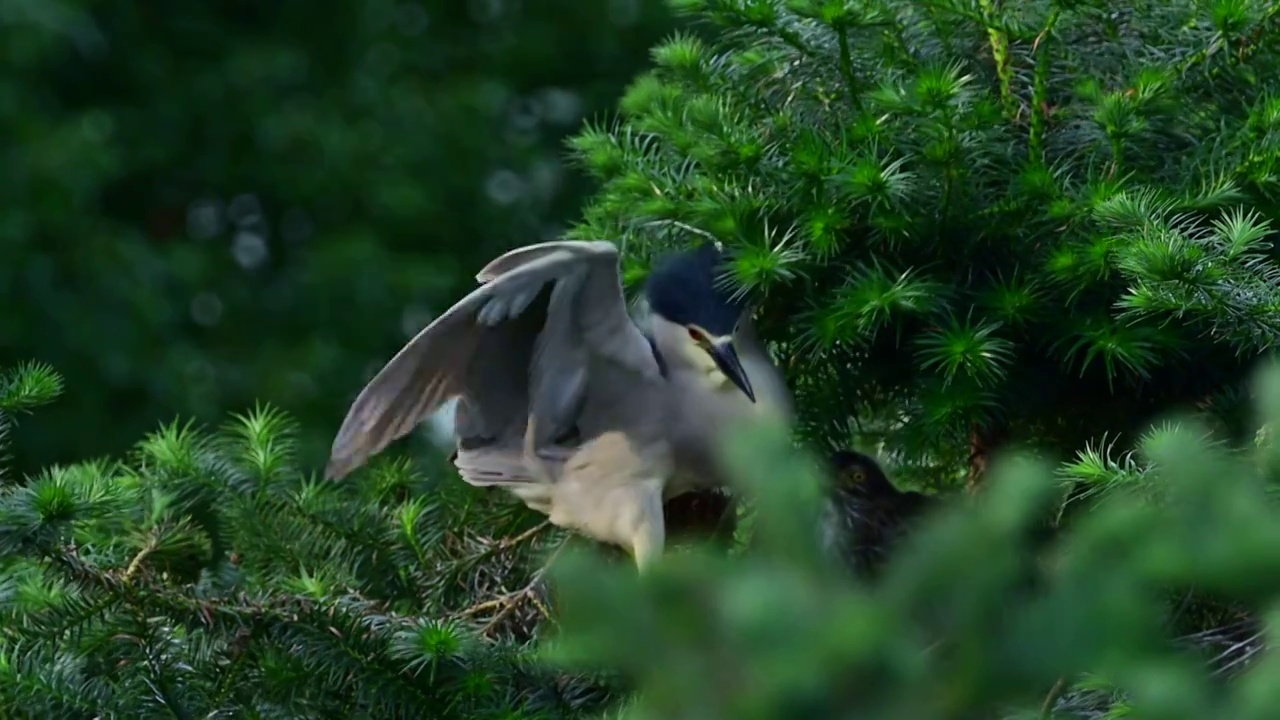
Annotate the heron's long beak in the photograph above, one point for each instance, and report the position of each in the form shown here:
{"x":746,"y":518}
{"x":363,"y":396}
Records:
{"x":726,"y":358}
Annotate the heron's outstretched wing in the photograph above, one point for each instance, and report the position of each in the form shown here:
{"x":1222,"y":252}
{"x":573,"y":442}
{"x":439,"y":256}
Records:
{"x":513,"y":259}
{"x":529,"y":325}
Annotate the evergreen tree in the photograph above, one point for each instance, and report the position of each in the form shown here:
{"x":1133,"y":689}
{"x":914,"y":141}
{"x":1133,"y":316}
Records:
{"x":970,"y":222}
{"x":206,"y":575}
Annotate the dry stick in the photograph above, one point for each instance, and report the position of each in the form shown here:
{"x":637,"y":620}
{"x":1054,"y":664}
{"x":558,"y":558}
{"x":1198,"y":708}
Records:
{"x":509,"y":597}
{"x":512,"y":542}
{"x":136,"y":564}
{"x":481,"y":607}
{"x":514,"y":599}
{"x":1055,"y":692}
{"x":508,"y":543}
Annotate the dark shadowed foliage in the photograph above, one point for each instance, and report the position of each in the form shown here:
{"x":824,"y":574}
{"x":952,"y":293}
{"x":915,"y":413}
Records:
{"x":204,"y":205}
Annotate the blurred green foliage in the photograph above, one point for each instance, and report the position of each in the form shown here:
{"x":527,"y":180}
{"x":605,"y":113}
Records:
{"x":204,"y":205}
{"x":967,"y":623}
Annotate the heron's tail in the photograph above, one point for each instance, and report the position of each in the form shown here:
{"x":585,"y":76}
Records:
{"x":509,"y":464}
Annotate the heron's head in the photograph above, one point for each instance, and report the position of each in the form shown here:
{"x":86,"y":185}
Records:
{"x":694,"y":311}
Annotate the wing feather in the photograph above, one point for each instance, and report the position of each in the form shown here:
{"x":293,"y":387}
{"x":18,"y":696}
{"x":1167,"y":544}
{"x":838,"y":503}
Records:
{"x":558,"y":373}
{"x":486,"y":349}
{"x":513,"y":259}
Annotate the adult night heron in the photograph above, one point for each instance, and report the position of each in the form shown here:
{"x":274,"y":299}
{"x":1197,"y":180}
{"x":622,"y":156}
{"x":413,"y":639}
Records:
{"x":566,"y":402}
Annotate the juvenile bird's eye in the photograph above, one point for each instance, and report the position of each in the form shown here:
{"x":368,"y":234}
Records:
{"x":695,"y":335}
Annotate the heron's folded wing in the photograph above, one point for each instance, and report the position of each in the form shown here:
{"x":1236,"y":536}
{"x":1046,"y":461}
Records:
{"x":587,"y":319}
{"x":482,"y":348}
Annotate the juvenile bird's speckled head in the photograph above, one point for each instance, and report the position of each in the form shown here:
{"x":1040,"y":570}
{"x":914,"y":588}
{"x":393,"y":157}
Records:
{"x":860,"y":473}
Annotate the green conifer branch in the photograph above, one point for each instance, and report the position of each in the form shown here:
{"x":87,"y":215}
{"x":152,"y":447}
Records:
{"x":933,"y":175}
{"x":113,"y":599}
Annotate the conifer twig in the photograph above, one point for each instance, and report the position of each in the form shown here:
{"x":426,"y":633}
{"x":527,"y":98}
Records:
{"x":136,"y":563}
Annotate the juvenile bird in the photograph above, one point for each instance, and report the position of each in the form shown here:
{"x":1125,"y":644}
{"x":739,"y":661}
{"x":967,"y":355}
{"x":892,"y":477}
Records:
{"x":564,"y":401}
{"x":868,"y":516}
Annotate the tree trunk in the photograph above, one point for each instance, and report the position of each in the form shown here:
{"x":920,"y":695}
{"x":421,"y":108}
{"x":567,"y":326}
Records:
{"x":983,"y":443}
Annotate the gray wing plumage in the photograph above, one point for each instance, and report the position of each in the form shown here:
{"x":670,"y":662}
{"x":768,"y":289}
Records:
{"x":517,"y":344}
{"x":515,"y":258}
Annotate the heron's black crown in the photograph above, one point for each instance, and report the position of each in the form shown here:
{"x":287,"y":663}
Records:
{"x":686,"y":288}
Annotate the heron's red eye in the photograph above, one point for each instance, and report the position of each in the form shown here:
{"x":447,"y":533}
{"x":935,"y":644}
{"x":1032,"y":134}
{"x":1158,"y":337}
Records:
{"x":695,"y":335}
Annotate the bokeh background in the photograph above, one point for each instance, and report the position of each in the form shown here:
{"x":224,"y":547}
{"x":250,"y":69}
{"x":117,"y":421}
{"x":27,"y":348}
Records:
{"x":205,"y":205}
